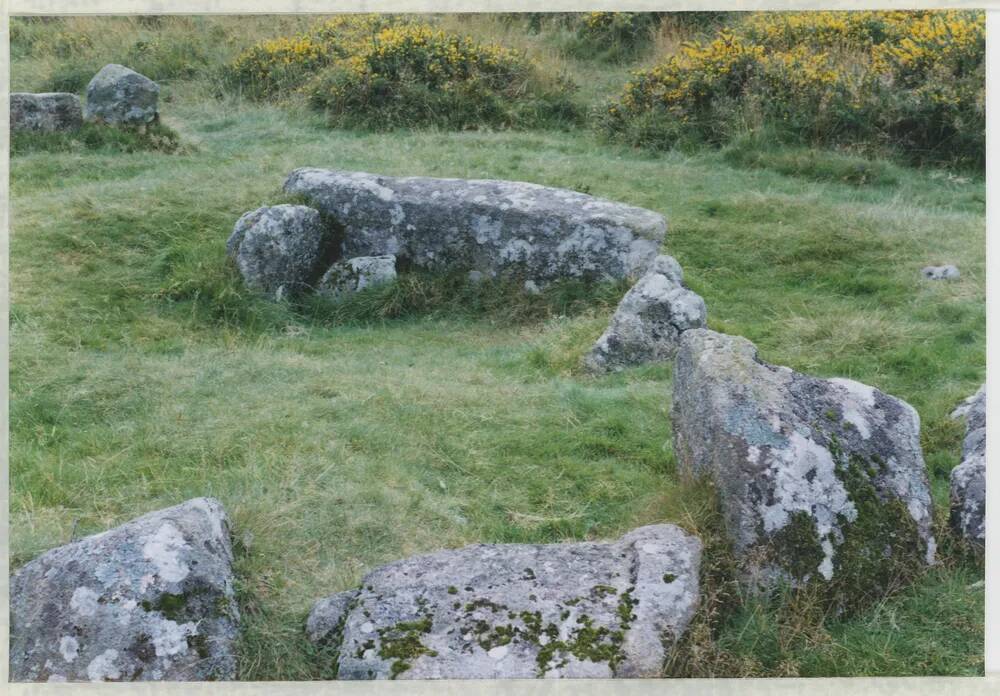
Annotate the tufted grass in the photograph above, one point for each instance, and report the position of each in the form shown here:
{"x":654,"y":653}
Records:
{"x":143,"y":374}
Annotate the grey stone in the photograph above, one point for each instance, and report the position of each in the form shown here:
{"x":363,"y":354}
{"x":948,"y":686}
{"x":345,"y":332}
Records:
{"x":818,"y":479}
{"x":939,"y":272}
{"x":495,"y":611}
{"x":281,"y":250}
{"x":968,"y":479}
{"x":529,"y":231}
{"x":120,"y":96}
{"x":647,"y":325}
{"x":326,"y":619}
{"x":46,"y":112}
{"x":352,"y":275}
{"x":150,"y":600}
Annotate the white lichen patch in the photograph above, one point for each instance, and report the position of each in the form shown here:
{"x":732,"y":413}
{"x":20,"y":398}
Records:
{"x":804,"y":480}
{"x":84,"y":601}
{"x":170,"y":638}
{"x":163,"y":549}
{"x":103,"y":667}
{"x":68,"y":648}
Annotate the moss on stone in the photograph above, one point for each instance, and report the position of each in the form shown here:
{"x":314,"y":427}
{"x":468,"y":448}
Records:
{"x":796,"y":547}
{"x":402,"y":642}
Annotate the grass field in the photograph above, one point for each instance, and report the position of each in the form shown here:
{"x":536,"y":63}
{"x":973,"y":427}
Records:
{"x":143,"y":375}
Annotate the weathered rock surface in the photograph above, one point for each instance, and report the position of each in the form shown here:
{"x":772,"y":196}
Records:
{"x":494,"y":227}
{"x":121,"y":96}
{"x":939,"y":272}
{"x":46,"y":112}
{"x":493,"y":611}
{"x":818,"y":479}
{"x":352,"y":275}
{"x":149,"y":600}
{"x":281,"y":250}
{"x":968,"y":479}
{"x":647,"y":325}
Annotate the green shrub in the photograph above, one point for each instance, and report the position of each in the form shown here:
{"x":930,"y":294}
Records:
{"x":380,"y":73}
{"x":613,"y":36}
{"x":912,"y":83}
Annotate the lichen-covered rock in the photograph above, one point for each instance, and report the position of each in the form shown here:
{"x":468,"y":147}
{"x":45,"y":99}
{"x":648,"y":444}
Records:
{"x":818,"y":479}
{"x":647,"y":325}
{"x":968,"y":479}
{"x":352,"y":275}
{"x":281,"y":250}
{"x":939,"y":272}
{"x":150,"y":600}
{"x":529,"y":231}
{"x":120,"y":96}
{"x":495,"y":611}
{"x":46,"y":112}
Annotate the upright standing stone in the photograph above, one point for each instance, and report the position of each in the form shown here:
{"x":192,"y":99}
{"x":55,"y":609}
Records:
{"x":151,"y":600}
{"x":46,"y":112}
{"x":120,"y":96}
{"x":968,"y":479}
{"x":498,"y":611}
{"x":819,"y":479}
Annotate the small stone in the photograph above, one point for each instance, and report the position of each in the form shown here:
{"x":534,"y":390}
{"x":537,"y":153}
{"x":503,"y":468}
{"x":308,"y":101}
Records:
{"x":353,"y":275}
{"x":818,"y":479}
{"x":120,"y":96}
{"x":475,"y":277}
{"x":327,"y":615}
{"x":45,"y":113}
{"x":281,"y":250}
{"x":939,"y":272}
{"x":531,"y":287}
{"x":152,"y":599}
{"x":647,"y":325}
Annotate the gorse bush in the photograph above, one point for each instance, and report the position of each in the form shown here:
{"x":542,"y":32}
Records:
{"x":380,"y":72}
{"x":909,"y":82}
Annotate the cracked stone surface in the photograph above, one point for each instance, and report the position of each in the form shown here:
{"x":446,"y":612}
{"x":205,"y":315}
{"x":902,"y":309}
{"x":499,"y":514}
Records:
{"x":493,"y":227}
{"x":495,"y":611}
{"x":648,"y":322}
{"x":119,"y":95}
{"x":46,"y":112}
{"x":968,"y":479}
{"x":352,"y":275}
{"x":281,"y":250}
{"x":151,"y":600}
{"x":818,"y":479}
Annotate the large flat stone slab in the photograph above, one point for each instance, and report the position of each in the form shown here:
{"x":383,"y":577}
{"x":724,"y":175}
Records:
{"x":496,"y":611}
{"x":819,"y":479}
{"x":492,"y":227}
{"x":151,"y":600}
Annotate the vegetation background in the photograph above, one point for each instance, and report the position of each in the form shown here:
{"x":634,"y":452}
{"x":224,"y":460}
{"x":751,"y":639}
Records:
{"x":432,"y":413}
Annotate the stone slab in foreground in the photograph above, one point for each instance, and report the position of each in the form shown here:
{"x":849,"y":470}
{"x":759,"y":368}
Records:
{"x":818,"y":479}
{"x":151,"y":600}
{"x":497,"y":611}
{"x":493,"y":227}
{"x":46,"y":112}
